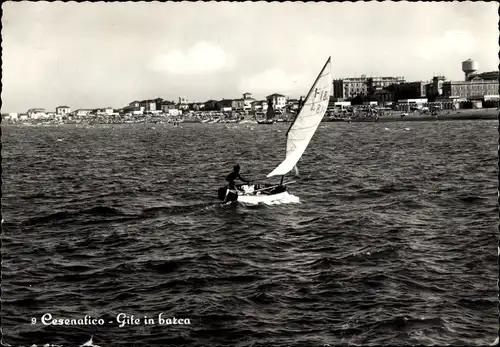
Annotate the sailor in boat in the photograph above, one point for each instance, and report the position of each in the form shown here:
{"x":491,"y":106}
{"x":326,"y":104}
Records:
{"x":233,"y":176}
{"x":230,"y":192}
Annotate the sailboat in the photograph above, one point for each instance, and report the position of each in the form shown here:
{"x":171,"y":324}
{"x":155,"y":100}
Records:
{"x":269,"y":114}
{"x":298,"y":137}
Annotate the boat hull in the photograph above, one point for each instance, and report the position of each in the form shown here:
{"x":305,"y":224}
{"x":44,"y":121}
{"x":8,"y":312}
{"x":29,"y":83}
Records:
{"x":254,"y":194}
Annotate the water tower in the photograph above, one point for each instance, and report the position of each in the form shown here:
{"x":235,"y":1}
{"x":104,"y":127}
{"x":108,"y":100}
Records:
{"x":469,"y":67}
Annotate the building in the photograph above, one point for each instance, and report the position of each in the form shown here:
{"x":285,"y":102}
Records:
{"x":158,"y":102}
{"x":63,"y":110}
{"x":197,"y":106}
{"x":351,"y":87}
{"x":167,"y":106}
{"x":278,"y":100}
{"x":473,"y":89}
{"x":212,"y":105}
{"x":259,"y":105}
{"x":292,"y":104}
{"x":107,"y":111}
{"x":487,"y":76}
{"x":81,"y":112}
{"x":183,"y":100}
{"x":37,"y":113}
{"x":238,"y":104}
{"x":247,"y":101}
{"x":226,"y":105}
{"x":379,"y":83}
{"x":435,"y":88}
{"x":135,"y":107}
{"x":148,"y":105}
{"x":10,"y":116}
{"x":408,"y":90}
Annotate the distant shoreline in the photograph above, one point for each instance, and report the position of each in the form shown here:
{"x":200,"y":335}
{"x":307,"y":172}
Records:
{"x":395,"y":116}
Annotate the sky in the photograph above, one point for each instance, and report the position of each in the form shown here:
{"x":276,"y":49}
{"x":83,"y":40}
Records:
{"x":91,"y":55}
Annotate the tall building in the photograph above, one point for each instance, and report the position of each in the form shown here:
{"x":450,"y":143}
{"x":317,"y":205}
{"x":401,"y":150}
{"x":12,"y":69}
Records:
{"x":350,"y":87}
{"x":382,"y":82}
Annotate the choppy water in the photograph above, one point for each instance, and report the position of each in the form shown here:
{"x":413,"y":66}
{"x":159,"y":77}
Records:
{"x":394,"y":241}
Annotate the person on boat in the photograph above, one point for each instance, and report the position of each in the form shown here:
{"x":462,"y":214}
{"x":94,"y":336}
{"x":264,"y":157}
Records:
{"x":234,"y":176}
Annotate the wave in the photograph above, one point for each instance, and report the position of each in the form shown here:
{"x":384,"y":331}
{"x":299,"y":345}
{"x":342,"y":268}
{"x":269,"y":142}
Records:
{"x":63,"y":216}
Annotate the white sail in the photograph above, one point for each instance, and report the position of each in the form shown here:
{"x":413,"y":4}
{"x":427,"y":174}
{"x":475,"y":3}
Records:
{"x":307,"y":121}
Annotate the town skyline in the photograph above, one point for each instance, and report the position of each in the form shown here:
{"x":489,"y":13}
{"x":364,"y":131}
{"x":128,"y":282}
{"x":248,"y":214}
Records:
{"x":105,"y":54}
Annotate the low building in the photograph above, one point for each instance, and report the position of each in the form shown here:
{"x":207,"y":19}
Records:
{"x":292,"y":104}
{"x":226,"y":105}
{"x":238,"y":104}
{"x":37,"y":113}
{"x":278,"y":100}
{"x":212,"y":105}
{"x":81,"y":112}
{"x":63,"y":110}
{"x":148,"y":105}
{"x":107,"y":111}
{"x":198,"y":106}
{"x":260,"y":105}
{"x":166,"y":107}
